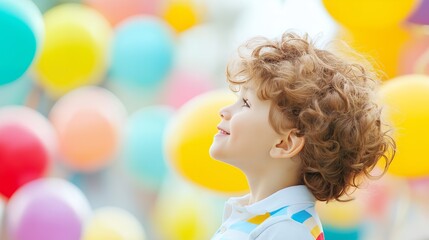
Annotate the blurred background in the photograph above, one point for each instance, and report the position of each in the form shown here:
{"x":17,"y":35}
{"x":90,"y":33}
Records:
{"x":108,"y":109}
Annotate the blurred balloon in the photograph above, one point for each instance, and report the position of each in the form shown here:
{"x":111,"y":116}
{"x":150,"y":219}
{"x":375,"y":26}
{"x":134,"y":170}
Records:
{"x":200,"y":39}
{"x":27,"y":146}
{"x":406,"y":99}
{"x":75,"y":52}
{"x":184,"y":85}
{"x":48,"y":209}
{"x":184,"y":213}
{"x":182,"y":14}
{"x":420,"y":15}
{"x":381,"y":47}
{"x":88,"y":121}
{"x":143,"y":51}
{"x":335,"y":233}
{"x":188,"y":140}
{"x":45,"y":5}
{"x":225,"y":12}
{"x":341,"y":220}
{"x":143,"y":144}
{"x":118,"y":10}
{"x":370,"y":14}
{"x":414,"y":56}
{"x":114,"y":224}
{"x":16,"y":92}
{"x":22,"y":33}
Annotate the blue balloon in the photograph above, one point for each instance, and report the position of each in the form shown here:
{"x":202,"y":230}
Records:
{"x":336,"y":233}
{"x":21,"y":31}
{"x":143,"y":144}
{"x":16,"y":92}
{"x":143,"y":51}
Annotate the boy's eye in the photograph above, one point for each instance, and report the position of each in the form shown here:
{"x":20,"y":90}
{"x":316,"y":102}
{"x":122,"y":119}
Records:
{"x":245,"y":103}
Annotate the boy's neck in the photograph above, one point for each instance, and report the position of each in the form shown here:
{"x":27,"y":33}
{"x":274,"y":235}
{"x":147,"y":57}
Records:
{"x":268,"y":181}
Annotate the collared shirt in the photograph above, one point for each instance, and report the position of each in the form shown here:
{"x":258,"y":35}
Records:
{"x":287,"y":214}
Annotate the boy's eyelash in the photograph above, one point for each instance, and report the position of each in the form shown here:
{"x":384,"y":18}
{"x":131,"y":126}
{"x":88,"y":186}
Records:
{"x":246,"y":103}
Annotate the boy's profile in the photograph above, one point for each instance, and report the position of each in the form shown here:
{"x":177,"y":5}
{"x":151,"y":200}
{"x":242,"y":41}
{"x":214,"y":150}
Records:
{"x":305,"y":126}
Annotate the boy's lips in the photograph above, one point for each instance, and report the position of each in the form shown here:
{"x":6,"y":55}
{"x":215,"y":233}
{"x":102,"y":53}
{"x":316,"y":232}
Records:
{"x":222,"y":131}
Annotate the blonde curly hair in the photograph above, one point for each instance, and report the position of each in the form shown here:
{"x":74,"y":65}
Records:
{"x":329,"y":99}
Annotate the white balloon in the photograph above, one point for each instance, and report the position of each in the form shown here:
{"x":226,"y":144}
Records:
{"x":272,"y":18}
{"x":200,"y":49}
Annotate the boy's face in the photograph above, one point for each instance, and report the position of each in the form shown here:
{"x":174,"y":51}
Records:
{"x":245,"y":135}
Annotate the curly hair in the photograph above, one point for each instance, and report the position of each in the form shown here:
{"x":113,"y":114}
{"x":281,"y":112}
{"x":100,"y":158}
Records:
{"x":329,"y":99}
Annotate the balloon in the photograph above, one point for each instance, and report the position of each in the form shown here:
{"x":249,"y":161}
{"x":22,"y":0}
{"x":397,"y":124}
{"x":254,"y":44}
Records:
{"x":414,"y":56}
{"x":22,"y":157}
{"x":27,"y":146}
{"x":75,"y":52}
{"x":191,"y":43}
{"x":370,"y":14}
{"x":406,"y":99}
{"x":184,"y":213}
{"x":114,"y":224}
{"x":188,"y":140}
{"x":45,"y":5}
{"x":382,"y":47}
{"x":184,"y":85}
{"x":181,"y":15}
{"x":48,"y":209}
{"x":420,"y":16}
{"x":143,"y":52}
{"x":88,"y":121}
{"x":143,"y":144}
{"x":22,"y":33}
{"x":118,"y":10}
{"x":335,"y":233}
{"x":16,"y":92}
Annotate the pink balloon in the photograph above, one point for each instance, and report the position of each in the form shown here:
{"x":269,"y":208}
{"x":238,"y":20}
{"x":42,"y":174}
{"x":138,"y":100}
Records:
{"x":47,"y":209}
{"x":184,"y":85}
{"x":117,"y":10}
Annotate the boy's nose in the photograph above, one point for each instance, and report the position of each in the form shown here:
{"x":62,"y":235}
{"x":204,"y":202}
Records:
{"x":225,"y":114}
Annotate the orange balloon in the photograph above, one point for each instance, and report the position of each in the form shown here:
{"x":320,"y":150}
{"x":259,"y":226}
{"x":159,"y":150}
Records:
{"x":88,"y":122}
{"x":181,"y":14}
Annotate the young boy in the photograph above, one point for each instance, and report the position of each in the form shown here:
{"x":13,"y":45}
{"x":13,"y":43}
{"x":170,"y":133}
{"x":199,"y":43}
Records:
{"x":305,"y":126}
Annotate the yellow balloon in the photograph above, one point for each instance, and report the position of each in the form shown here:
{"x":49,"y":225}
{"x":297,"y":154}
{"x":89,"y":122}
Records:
{"x":181,"y":14}
{"x":406,"y":100}
{"x":75,"y":49}
{"x":188,"y":141}
{"x":370,"y":13}
{"x":382,"y":47}
{"x":114,"y":224}
{"x":183,"y":212}
{"x":340,"y":214}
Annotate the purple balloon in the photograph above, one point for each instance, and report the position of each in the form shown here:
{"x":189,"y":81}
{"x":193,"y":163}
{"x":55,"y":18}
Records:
{"x":421,"y":15}
{"x":47,"y":209}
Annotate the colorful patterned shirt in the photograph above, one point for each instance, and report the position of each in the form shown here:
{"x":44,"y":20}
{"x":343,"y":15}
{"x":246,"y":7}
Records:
{"x":286,"y":215}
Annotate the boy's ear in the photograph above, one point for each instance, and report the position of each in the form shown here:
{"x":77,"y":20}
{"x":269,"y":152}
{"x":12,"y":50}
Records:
{"x":288,"y":146}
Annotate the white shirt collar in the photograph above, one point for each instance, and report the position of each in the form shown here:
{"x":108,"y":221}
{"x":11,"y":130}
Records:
{"x":285,"y":197}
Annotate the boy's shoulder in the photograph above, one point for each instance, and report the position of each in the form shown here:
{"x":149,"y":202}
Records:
{"x":299,"y":221}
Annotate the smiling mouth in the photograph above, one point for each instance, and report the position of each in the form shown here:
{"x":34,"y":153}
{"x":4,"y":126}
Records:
{"x":221,"y":131}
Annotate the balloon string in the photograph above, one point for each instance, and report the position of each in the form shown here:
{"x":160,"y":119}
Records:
{"x":422,"y":63}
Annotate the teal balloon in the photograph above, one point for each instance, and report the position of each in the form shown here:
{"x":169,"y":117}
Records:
{"x":143,"y":144}
{"x":16,"y":92}
{"x":45,"y":5}
{"x":21,"y":31}
{"x":143,"y":51}
{"x":336,"y":233}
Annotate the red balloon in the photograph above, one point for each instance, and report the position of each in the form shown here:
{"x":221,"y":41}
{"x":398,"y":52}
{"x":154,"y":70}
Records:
{"x":23,"y":158}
